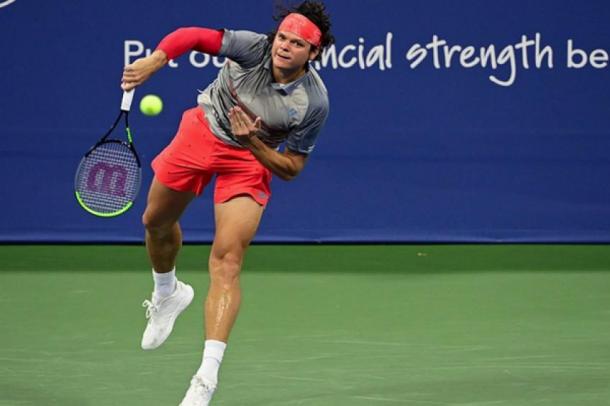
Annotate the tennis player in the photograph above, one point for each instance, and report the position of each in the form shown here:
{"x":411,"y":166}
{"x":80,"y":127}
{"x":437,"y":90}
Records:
{"x":266,"y":95}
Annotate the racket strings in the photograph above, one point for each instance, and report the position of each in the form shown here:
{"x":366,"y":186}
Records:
{"x":108,"y":179}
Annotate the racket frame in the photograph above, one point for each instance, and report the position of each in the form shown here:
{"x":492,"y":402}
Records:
{"x":125,"y":106}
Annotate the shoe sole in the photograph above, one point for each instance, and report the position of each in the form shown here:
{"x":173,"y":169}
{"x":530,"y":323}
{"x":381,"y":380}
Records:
{"x":182,"y":306}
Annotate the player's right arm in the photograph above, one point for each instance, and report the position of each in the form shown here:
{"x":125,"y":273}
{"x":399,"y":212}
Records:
{"x":138,"y":72}
{"x":172,"y":46}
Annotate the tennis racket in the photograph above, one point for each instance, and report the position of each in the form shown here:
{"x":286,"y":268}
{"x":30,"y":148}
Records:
{"x":108,"y":177}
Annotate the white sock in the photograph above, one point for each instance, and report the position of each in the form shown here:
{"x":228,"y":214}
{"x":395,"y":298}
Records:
{"x":165,"y":284}
{"x":212,"y":357}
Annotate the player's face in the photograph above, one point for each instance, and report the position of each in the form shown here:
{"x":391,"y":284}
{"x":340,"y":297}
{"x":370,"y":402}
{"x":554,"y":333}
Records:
{"x":289,"y":51}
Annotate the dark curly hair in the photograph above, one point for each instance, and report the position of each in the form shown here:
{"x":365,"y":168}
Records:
{"x":316,"y":12}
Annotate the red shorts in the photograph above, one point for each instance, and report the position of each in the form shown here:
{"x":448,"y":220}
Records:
{"x":188,"y":163}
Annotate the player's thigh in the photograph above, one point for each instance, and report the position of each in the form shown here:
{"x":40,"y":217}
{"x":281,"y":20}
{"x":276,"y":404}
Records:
{"x":164,"y":205}
{"x":236,"y":223}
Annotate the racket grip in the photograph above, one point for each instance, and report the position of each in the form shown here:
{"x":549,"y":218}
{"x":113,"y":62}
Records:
{"x":127,"y":99}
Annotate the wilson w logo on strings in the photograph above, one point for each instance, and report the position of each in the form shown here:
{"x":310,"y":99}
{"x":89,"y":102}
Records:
{"x":108,"y":179}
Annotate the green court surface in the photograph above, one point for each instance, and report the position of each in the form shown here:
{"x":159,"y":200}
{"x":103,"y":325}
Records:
{"x":508,"y":325}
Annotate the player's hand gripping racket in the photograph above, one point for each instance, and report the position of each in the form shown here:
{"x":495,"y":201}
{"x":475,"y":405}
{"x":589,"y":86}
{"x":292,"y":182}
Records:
{"x":108,"y":177}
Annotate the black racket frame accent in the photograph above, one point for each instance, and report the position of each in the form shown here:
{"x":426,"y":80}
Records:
{"x":104,"y":139}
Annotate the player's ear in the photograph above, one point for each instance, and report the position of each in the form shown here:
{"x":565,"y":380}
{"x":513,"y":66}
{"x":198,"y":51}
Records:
{"x":313,"y":53}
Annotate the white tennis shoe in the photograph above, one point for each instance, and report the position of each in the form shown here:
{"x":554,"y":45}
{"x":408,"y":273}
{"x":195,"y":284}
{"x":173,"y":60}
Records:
{"x":162,"y":314}
{"x":199,"y":393}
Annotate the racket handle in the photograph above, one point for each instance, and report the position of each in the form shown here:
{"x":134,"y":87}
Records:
{"x":127,"y":99}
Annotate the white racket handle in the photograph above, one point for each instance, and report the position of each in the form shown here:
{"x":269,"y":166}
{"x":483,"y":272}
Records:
{"x":127,"y":99}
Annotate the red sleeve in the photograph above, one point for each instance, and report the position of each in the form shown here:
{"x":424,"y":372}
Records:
{"x":192,"y":38}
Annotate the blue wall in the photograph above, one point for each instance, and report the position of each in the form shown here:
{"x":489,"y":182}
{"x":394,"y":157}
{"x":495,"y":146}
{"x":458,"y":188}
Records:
{"x":411,"y":151}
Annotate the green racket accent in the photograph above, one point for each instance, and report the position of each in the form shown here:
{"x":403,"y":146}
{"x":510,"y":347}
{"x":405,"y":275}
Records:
{"x":99,"y":214}
{"x":129,"y":135}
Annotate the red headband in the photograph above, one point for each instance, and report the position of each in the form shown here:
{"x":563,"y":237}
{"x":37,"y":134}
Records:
{"x":303,"y":27}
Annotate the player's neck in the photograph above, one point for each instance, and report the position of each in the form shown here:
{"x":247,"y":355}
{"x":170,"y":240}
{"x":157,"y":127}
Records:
{"x":287,"y":75}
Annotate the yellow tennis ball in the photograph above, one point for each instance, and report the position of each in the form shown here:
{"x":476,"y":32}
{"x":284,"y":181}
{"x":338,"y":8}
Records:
{"x":151,"y":105}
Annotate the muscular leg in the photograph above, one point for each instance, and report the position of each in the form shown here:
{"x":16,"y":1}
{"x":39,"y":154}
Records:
{"x":163,"y":241}
{"x":163,"y":234}
{"x":236,"y":224}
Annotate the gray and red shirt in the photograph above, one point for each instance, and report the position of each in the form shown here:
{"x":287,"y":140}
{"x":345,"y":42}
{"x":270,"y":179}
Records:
{"x":291,"y":113}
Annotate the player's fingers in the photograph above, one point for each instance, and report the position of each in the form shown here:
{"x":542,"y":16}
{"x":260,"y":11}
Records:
{"x":130,"y":84}
{"x":134,"y":73}
{"x":129,"y":72}
{"x":131,"y":78}
{"x":239,"y":119}
{"x":243,"y":116}
{"x":258,"y":123}
{"x":236,"y":126}
{"x":244,"y":119}
{"x":232,"y":117}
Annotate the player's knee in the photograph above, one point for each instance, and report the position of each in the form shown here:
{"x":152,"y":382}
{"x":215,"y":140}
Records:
{"x":155,"y":224}
{"x":148,"y":221}
{"x":225,"y":267}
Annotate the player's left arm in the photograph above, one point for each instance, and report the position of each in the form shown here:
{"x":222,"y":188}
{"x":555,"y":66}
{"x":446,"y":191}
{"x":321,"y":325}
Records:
{"x":285,"y":165}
